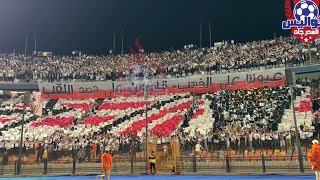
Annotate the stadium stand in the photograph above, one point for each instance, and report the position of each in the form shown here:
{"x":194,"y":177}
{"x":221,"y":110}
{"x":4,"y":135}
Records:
{"x":243,"y":124}
{"x":240,"y":120}
{"x":225,"y":57}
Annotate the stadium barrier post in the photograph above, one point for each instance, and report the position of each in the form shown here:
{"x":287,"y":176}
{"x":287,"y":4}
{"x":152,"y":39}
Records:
{"x":147,"y":141}
{"x":20,"y":145}
{"x":296,"y":132}
{"x":194,"y":164}
{"x":73,"y":161}
{"x":45,"y":166}
{"x":26,"y":100}
{"x":15,"y":168}
{"x":309,"y":52}
{"x":228,"y":163}
{"x":131,"y":162}
{"x":263,"y":160}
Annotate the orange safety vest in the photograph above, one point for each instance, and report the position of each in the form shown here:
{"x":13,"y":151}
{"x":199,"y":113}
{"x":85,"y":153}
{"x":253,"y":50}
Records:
{"x":106,"y":160}
{"x":94,"y":148}
{"x":314,"y":157}
{"x":36,"y":147}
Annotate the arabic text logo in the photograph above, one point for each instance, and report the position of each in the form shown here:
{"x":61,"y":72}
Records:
{"x":305,"y":9}
{"x":139,"y":75}
{"x":303,"y":20}
{"x":137,"y":69}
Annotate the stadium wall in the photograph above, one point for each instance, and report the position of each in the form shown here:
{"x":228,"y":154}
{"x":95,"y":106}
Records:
{"x":215,"y":87}
{"x":37,"y":86}
{"x":307,"y":69}
{"x":193,"y":84}
{"x":19,"y":87}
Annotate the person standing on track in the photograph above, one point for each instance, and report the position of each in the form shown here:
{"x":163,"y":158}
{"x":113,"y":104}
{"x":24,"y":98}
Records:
{"x":314,"y":158}
{"x":5,"y":159}
{"x":45,"y":161}
{"x":40,"y":151}
{"x":94,"y":150}
{"x":152,"y":160}
{"x":106,"y":160}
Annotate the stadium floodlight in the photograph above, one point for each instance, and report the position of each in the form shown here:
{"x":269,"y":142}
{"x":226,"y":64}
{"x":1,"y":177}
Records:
{"x":26,"y":45}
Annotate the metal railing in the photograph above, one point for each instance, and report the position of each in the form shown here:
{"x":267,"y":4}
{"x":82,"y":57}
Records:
{"x":216,"y":161}
{"x":227,"y":164}
{"x":187,"y":165}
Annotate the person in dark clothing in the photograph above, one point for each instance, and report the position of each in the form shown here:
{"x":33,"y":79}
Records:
{"x":152,"y":161}
{"x":45,"y":161}
{"x":242,"y":144}
{"x":40,"y":153}
{"x":5,"y":159}
{"x":87,"y":149}
{"x":173,"y":170}
{"x":98,"y":149}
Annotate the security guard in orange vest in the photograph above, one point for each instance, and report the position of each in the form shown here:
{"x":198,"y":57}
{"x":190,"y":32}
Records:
{"x":106,"y":160}
{"x":314,"y":158}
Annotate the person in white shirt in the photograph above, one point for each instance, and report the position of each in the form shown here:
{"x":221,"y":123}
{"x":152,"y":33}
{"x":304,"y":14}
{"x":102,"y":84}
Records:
{"x":256,"y":141}
{"x":210,"y":137}
{"x":282,"y":141}
{"x":269,"y":141}
{"x":222,"y":142}
{"x":205,"y":142}
{"x":303,"y":136}
{"x":163,"y":140}
{"x":165,"y":151}
{"x":263,"y":140}
{"x":275,"y":140}
{"x":198,"y":149}
{"x":182,"y":140}
{"x":288,"y":140}
{"x":250,"y":139}
{"x":216,"y":142}
{"x":158,"y":140}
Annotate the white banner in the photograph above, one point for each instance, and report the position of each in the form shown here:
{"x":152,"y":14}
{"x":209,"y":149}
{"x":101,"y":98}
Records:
{"x":203,"y":81}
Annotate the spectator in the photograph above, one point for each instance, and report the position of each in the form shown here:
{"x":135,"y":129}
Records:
{"x":314,"y":158}
{"x":40,"y":153}
{"x":45,"y":160}
{"x":225,"y":57}
{"x":5,"y":159}
{"x":198,"y":149}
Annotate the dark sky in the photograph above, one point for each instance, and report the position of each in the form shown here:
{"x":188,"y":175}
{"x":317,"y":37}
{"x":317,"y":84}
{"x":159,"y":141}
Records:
{"x":65,"y":25}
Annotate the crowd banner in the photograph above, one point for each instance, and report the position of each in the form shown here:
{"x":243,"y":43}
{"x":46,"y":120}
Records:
{"x":194,"y":84}
{"x":37,"y":103}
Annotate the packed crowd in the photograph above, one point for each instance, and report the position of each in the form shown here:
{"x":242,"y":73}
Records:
{"x":315,"y":93}
{"x":274,"y":52}
{"x":251,"y":120}
{"x":224,"y":57}
{"x":240,"y":120}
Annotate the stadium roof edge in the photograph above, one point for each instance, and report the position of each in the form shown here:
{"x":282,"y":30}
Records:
{"x":20,"y":87}
{"x":307,"y":69}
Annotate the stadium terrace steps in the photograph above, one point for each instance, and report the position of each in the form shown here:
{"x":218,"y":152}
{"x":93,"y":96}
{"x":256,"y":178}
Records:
{"x":303,"y":109}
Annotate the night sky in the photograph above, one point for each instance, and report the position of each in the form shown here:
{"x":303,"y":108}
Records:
{"x":88,"y":25}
